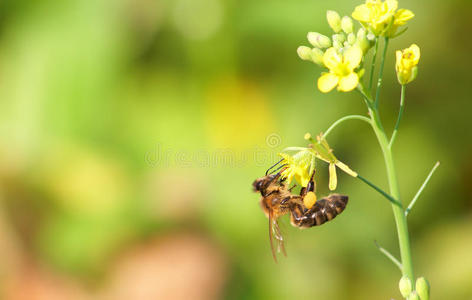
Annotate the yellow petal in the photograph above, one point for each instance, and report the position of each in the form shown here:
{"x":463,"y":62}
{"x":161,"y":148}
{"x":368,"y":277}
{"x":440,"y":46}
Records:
{"x":346,"y":169}
{"x":302,"y":176}
{"x":348,"y":83}
{"x":353,"y":57}
{"x":361,"y":13}
{"x":327,"y":82}
{"x":331,"y":58}
{"x":333,"y":180}
{"x":398,"y":55}
{"x":392,"y":5}
{"x":402,"y":16}
{"x":416,"y":53}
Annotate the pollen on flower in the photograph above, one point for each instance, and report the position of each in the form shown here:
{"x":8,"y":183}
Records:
{"x":297,"y":167}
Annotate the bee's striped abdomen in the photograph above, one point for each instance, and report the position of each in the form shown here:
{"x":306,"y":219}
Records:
{"x":323,"y":211}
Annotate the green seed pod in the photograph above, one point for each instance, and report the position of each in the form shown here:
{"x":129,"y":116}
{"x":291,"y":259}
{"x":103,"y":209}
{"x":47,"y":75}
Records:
{"x":304,"y":52}
{"x":347,"y":25}
{"x":414,"y":296}
{"x":422,"y":288}
{"x":318,"y":40}
{"x":405,"y":286}
{"x":334,"y":20}
{"x":351,"y":38}
{"x":317,"y":56}
{"x":339,"y":37}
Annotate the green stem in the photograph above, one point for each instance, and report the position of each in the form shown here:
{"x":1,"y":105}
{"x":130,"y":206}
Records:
{"x":398,"y":211}
{"x":350,"y":117}
{"x":372,"y":66}
{"x":379,"y":81}
{"x":389,"y":255}
{"x":400,"y":114}
{"x":421,"y":189}
{"x":389,"y":198}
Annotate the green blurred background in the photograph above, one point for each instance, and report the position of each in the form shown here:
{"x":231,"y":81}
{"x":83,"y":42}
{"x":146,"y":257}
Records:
{"x":131,"y":132}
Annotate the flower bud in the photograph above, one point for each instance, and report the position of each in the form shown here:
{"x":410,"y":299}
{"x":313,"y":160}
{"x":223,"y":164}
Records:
{"x":371,"y":37}
{"x":317,"y":56}
{"x":362,"y":40}
{"x":318,"y":40}
{"x":307,"y":136}
{"x":406,"y":64}
{"x":351,"y":38}
{"x":413,"y":296}
{"x":407,"y":77}
{"x":337,"y":45}
{"x":334,"y":20}
{"x":347,"y":25}
{"x":304,"y":52}
{"x":339,"y":37}
{"x":422,"y":288}
{"x":405,"y":286}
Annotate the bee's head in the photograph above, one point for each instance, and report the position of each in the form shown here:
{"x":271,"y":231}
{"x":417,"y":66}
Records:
{"x":262,"y":183}
{"x":258,"y":184}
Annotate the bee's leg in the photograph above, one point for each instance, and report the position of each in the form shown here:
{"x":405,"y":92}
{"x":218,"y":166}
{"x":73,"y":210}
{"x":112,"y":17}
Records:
{"x":299,"y":217}
{"x":311,"y":186}
{"x":290,"y":189}
{"x":291,"y":200}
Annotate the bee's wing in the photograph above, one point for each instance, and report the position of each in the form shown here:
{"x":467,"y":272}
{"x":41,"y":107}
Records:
{"x":271,"y":222}
{"x":279,"y":237}
{"x":274,"y":229}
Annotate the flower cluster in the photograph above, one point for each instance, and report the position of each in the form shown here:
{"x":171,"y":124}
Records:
{"x":343,"y":53}
{"x":382,"y":18}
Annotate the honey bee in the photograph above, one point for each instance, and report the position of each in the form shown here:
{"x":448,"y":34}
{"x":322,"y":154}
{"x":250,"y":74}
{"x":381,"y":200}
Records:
{"x":278,"y":200}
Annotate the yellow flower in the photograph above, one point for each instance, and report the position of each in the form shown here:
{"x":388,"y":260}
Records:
{"x":298,"y":167}
{"x":399,"y":19}
{"x":341,"y":70}
{"x":321,"y":150}
{"x":382,"y":18}
{"x":406,"y":65}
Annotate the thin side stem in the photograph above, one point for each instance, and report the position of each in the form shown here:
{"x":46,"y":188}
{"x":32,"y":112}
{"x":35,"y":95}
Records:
{"x":389,"y":256}
{"x":386,"y":195}
{"x":379,"y":81}
{"x":372,"y":66}
{"x":400,"y":114}
{"x":350,"y":117}
{"x":410,"y":206}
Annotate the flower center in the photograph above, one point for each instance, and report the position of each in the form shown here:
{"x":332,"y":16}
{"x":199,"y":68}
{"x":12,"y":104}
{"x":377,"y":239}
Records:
{"x":342,"y":69}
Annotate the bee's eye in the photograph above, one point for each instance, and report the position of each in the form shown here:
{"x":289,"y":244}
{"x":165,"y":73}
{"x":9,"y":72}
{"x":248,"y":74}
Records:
{"x":259,"y":185}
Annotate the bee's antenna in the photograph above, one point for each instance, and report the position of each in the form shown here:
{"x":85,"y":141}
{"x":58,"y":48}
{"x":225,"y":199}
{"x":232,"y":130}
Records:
{"x":278,"y":168}
{"x":273,"y":166}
